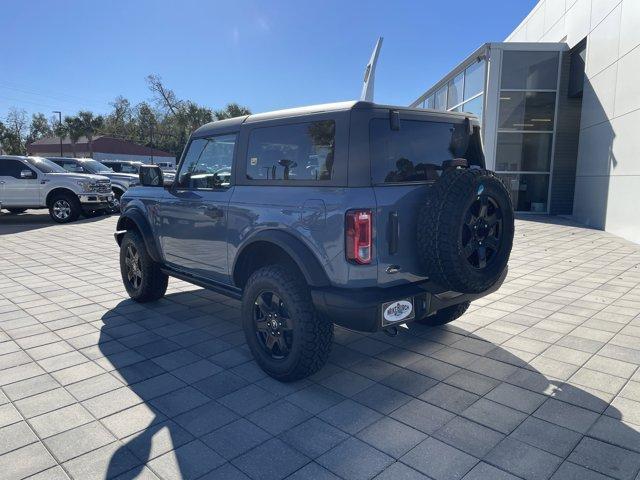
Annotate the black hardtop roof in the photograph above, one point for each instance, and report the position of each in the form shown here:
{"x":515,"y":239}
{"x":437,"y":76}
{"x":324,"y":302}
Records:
{"x":232,"y":124}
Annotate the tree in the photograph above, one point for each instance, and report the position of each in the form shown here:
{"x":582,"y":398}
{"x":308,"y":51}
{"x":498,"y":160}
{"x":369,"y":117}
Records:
{"x":165,"y":98}
{"x":194,"y":116}
{"x":39,"y":128}
{"x":91,"y":124}
{"x":118,"y":123}
{"x":231,"y":110}
{"x":15,"y":127}
{"x":75,"y":129}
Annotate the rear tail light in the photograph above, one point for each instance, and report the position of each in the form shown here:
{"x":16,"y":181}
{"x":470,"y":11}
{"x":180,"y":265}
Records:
{"x":358,"y":236}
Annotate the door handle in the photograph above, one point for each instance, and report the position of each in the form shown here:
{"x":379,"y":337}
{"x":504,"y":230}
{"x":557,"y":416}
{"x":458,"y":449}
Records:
{"x":1,"y":182}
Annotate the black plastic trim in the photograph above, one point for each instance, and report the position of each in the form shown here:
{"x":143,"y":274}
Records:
{"x":137,"y":217}
{"x":306,"y":261}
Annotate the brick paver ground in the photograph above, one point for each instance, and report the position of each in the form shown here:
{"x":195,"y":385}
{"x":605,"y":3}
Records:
{"x":539,"y":380}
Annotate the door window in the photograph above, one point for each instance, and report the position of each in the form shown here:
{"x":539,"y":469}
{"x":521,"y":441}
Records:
{"x":12,"y":168}
{"x":207,"y":163}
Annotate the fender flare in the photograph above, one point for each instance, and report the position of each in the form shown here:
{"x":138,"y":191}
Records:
{"x":136,"y":216}
{"x":306,"y":261}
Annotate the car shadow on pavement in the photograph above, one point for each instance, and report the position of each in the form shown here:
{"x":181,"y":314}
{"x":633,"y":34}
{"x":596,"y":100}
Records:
{"x":194,"y":375}
{"x":24,"y":222}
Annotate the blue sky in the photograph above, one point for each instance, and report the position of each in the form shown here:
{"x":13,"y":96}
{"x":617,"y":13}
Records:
{"x":71,"y":55}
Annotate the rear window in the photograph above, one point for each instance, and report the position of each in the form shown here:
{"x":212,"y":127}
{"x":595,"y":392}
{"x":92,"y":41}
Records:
{"x":296,"y":152}
{"x":416,"y":151}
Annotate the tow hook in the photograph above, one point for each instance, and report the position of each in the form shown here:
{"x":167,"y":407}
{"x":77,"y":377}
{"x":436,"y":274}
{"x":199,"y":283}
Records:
{"x":391,"y":331}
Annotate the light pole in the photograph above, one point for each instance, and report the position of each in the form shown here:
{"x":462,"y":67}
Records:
{"x":60,"y":125}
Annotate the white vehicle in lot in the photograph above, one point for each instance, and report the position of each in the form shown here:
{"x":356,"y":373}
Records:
{"x":35,"y":182}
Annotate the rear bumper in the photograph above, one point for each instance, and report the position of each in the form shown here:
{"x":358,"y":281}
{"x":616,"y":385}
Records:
{"x":361,"y":309}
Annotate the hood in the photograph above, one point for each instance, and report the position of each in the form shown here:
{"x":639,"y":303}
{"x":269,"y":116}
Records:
{"x":125,"y":177}
{"x":78,"y":176}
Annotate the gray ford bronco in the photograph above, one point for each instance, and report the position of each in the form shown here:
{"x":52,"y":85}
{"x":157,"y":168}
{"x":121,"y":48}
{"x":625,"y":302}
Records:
{"x":356,"y":214}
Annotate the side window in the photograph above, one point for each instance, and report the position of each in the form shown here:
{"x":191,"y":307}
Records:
{"x":207,"y":163}
{"x":116,"y":167}
{"x":71,"y":166}
{"x":301,"y":151}
{"x":12,"y":168}
{"x":126,"y":168}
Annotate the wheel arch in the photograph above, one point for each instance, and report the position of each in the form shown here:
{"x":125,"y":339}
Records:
{"x":135,"y":220}
{"x":273,"y":246}
{"x":58,"y":190}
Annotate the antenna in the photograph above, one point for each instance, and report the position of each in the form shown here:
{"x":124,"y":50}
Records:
{"x":370,"y":73}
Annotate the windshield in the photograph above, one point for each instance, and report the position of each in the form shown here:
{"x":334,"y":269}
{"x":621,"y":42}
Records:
{"x":44,"y":165}
{"x":93,"y":166}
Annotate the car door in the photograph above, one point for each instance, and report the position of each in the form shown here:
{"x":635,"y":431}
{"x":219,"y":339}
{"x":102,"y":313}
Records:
{"x":193,"y":212}
{"x":20,"y":184}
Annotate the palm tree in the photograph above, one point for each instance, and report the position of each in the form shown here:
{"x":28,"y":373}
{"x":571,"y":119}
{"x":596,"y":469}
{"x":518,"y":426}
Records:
{"x":231,"y":110}
{"x":75,"y":129}
{"x":90,"y":126}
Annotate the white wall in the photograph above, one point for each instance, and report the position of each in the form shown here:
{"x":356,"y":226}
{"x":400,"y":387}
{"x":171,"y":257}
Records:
{"x":608,"y":172}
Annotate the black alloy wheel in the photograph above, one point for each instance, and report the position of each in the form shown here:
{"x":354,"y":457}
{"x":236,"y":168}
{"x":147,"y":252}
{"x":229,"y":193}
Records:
{"x":273,"y":325}
{"x":133,"y":267}
{"x":482,"y":232}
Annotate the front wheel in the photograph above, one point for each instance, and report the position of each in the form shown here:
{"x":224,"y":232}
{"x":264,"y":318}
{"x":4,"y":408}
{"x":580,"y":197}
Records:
{"x":142,"y":277}
{"x":64,"y":208}
{"x":446,"y":315}
{"x":287,"y":337}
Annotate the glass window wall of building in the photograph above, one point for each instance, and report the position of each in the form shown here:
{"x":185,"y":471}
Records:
{"x":463,"y":93}
{"x":526,"y":123}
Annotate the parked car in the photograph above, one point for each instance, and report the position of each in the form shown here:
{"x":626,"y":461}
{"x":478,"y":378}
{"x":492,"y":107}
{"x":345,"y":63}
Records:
{"x":358,"y":214}
{"x":131,"y":166}
{"x":123,"y":166}
{"x":35,"y":182}
{"x":120,"y":182}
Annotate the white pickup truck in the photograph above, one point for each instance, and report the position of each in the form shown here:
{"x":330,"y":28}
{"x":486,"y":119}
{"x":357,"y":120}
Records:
{"x":35,"y":182}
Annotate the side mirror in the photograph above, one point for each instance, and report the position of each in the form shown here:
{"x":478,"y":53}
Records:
{"x":27,"y":174}
{"x":151,"y":176}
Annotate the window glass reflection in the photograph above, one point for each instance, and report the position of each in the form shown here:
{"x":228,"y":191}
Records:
{"x":474,"y":80}
{"x":429,"y":102}
{"x":455,"y":90}
{"x":530,"y":152}
{"x":529,"y":192}
{"x":529,"y":70}
{"x":475,"y":106}
{"x":527,"y":110}
{"x":440,"y":99}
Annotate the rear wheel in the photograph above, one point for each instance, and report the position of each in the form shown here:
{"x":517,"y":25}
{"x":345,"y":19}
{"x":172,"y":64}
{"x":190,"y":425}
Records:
{"x":16,"y":211}
{"x":142,"y":277}
{"x":446,"y":315}
{"x":64,"y":207}
{"x":287,"y":337}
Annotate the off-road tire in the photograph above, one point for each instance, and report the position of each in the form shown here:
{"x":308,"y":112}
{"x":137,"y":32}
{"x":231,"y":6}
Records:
{"x":74,"y":207}
{"x":312,"y":334}
{"x":16,"y":211}
{"x":446,"y":315}
{"x":153,"y":284}
{"x":441,"y":223}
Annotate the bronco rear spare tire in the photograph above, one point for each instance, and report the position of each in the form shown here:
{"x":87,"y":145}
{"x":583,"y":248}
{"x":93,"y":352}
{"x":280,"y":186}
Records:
{"x":465,"y":230}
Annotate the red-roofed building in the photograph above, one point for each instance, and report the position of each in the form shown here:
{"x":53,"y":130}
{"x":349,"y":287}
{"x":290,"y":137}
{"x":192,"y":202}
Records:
{"x":104,"y":148}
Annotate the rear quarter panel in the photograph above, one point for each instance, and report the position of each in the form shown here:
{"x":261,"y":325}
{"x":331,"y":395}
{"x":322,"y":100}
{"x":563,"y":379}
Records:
{"x":314,"y":215}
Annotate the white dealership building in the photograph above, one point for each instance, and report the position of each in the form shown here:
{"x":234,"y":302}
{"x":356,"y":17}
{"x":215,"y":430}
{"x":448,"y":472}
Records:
{"x":560,"y":106}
